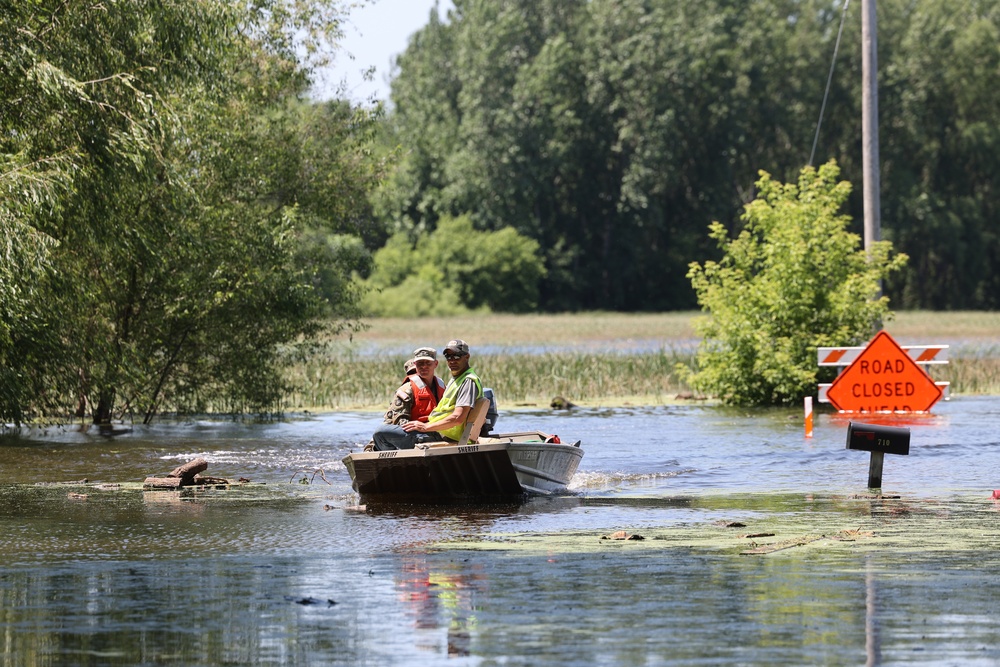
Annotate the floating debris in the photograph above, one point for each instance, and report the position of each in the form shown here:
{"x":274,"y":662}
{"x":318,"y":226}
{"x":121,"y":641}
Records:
{"x":621,"y":535}
{"x":848,"y":535}
{"x":779,"y":546}
{"x":310,"y":601}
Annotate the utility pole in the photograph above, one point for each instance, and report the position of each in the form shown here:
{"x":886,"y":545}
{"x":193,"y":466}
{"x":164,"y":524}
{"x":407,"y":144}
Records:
{"x":869,"y":123}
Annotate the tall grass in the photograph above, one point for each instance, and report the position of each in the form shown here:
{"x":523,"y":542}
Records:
{"x":589,"y":358}
{"x":349,"y":381}
{"x":972,"y":371}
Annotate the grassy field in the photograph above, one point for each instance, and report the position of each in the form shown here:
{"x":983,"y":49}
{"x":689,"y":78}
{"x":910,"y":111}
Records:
{"x":592,"y":358}
{"x":566,"y":329}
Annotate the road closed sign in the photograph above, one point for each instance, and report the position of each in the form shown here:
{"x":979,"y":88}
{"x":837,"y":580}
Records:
{"x":883,"y":378}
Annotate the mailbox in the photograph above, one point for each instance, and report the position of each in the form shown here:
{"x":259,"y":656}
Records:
{"x":877,"y":438}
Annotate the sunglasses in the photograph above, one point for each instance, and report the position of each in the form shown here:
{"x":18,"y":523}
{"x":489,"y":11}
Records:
{"x":453,"y":357}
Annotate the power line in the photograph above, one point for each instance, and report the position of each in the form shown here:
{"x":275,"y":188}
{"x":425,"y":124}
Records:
{"x":829,"y":80}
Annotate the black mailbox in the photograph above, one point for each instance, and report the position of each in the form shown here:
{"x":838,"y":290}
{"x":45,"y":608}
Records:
{"x":876,"y":438}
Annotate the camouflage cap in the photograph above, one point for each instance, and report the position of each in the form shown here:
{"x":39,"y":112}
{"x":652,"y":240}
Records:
{"x":456,"y":346}
{"x":410,"y":367}
{"x":425,"y":353}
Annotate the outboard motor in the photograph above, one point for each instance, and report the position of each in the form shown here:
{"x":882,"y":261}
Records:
{"x":491,"y":413}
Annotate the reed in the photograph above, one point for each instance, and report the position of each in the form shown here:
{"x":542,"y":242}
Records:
{"x":353,"y":382}
{"x":972,"y":372}
{"x":590,"y":358}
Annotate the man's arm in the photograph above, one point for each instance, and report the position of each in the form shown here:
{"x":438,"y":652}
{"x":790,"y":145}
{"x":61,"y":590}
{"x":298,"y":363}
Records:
{"x":464,"y":400}
{"x":401,"y":407}
{"x":456,"y":418}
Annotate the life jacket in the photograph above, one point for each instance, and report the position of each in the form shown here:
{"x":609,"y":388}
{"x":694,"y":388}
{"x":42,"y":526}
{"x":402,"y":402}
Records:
{"x":425,"y":397}
{"x":446,"y":405}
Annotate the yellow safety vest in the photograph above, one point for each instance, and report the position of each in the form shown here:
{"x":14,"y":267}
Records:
{"x":446,"y":405}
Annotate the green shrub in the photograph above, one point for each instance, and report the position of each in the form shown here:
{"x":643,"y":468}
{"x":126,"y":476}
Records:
{"x":455,"y":269}
{"x":794,"y":279}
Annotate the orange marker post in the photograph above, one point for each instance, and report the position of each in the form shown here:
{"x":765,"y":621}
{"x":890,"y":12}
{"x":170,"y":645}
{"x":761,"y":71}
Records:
{"x":809,"y":416}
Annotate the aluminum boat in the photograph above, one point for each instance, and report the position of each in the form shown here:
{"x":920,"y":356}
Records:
{"x":493,"y":466}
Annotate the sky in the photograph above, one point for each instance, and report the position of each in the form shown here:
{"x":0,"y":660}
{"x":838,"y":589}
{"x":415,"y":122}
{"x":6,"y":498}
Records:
{"x":375,"y":33}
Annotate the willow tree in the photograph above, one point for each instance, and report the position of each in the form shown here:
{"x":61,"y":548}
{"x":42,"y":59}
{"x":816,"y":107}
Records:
{"x":794,"y":279}
{"x":159,"y":161}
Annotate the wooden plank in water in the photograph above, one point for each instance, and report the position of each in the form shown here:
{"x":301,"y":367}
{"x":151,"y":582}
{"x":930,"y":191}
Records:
{"x":163,"y":482}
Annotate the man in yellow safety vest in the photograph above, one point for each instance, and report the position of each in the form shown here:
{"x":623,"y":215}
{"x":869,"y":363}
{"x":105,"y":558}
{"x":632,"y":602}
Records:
{"x":464,"y":389}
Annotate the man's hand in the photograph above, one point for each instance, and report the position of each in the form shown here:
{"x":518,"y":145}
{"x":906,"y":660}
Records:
{"x":414,"y":425}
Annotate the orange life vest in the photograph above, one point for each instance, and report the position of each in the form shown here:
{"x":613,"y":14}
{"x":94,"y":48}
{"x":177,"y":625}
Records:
{"x":425,"y":398}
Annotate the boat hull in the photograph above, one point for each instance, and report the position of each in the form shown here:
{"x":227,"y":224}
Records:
{"x":545,"y":468}
{"x":493,"y":469}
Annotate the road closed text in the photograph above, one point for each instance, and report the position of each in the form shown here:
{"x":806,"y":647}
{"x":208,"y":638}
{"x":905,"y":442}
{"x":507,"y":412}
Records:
{"x":872,"y":385}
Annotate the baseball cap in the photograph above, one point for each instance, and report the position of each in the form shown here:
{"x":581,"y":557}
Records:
{"x":410,"y":367}
{"x":425,"y":353}
{"x":456,"y":346}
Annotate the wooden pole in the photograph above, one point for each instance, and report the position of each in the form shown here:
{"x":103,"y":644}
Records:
{"x":869,"y":123}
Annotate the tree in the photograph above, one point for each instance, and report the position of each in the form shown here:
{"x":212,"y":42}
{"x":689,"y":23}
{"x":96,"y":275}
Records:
{"x":182,"y":202}
{"x":794,"y":279}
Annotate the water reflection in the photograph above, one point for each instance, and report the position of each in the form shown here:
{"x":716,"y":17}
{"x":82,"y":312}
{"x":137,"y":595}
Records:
{"x":442,"y":598}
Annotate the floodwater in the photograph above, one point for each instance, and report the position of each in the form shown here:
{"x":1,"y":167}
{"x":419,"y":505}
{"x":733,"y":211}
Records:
{"x":284,"y":572}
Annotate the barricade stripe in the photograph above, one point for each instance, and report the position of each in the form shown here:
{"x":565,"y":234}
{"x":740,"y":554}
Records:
{"x":834,"y":356}
{"x":844,"y":356}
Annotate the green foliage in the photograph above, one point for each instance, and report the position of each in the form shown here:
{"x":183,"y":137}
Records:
{"x":613,"y":132}
{"x":180,"y":217}
{"x":417,"y":296}
{"x":794,"y":279}
{"x":453,"y":269}
{"x":941,"y":147}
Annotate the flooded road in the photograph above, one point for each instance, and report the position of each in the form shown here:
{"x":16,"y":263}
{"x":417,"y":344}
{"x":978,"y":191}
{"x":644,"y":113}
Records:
{"x":761,"y":547}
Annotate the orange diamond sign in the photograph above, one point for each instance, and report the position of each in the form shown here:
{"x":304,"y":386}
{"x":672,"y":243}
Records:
{"x":883,"y":379}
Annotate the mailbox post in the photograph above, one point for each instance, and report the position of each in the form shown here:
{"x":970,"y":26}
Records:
{"x":879,"y":440}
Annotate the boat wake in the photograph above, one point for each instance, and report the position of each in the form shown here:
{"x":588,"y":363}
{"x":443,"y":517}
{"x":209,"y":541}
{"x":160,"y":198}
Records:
{"x":600,"y":480}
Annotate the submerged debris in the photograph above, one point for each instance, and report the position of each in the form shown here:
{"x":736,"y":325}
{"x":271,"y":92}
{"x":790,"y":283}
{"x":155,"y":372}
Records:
{"x":188,"y":475}
{"x":561,"y":403}
{"x":306,"y":479}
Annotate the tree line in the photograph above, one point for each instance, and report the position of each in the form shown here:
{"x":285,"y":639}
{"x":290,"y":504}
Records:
{"x":614,"y":132}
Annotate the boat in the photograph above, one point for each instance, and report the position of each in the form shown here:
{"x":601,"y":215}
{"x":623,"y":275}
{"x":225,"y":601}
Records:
{"x":476,"y":467}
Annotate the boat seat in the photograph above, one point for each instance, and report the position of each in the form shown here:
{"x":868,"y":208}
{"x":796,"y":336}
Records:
{"x":473,"y":425}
